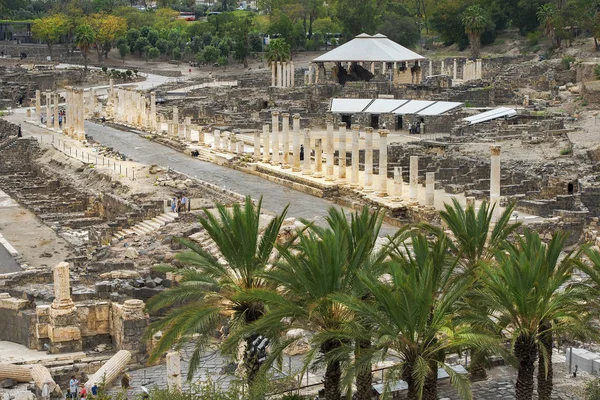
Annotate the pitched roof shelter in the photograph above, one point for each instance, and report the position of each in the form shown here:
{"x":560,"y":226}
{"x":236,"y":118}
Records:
{"x":367,"y":48}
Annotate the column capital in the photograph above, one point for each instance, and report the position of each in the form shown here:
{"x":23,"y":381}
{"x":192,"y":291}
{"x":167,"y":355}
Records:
{"x":342,"y":125}
{"x":285,"y":115}
{"x":296,"y":116}
{"x":257,"y":133}
{"x":275,"y":113}
{"x":369,"y":130}
{"x":355,"y":127}
{"x":495,"y":150}
{"x":383,"y":132}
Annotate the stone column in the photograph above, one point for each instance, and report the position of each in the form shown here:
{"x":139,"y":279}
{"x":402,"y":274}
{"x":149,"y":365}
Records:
{"x":318,"y":159}
{"x":329,"y":149}
{"x":285,"y":129}
{"x":310,"y":74}
{"x":48,"y":109}
{"x":175,"y":121}
{"x":296,"y":142}
{"x":414,"y":177}
{"x":275,"y":129}
{"x":81,"y":119}
{"x":232,"y":142}
{"x":454,"y":69}
{"x":110,"y":370}
{"x":342,"y":152}
{"x":383,"y":162}
{"x":355,"y":155}
{"x":273,"y":74}
{"x":266,"y":144}
{"x":63,"y":327}
{"x":292,"y":74}
{"x":174,"y":371}
{"x":317,"y":70}
{"x":429,"y":188}
{"x":306,"y":166}
{"x":479,"y":69}
{"x":56,"y":101}
{"x":494,"y":174}
{"x":430,"y":68}
{"x":240,"y":147}
{"x":38,"y":103}
{"x":152,"y":121}
{"x":442,"y":72}
{"x":216,"y":139}
{"x":368,"y":184}
{"x":279,"y":74}
{"x":398,"y":183}
{"x":257,"y":146}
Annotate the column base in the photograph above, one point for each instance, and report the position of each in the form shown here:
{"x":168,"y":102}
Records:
{"x":329,"y":178}
{"x":382,"y":194}
{"x":306,"y":172}
{"x":285,"y":166}
{"x":318,"y":175}
{"x":368,"y":189}
{"x":296,"y":169}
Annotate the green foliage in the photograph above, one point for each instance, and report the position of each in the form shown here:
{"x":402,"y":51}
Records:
{"x":152,"y":53}
{"x":597,"y":71}
{"x":592,"y":389}
{"x":278,"y":50}
{"x":222,"y":61}
{"x":565,"y":151}
{"x":566,"y":61}
{"x":533,"y":38}
{"x":124,"y":50}
{"x":50,"y":29}
{"x":210,"y":55}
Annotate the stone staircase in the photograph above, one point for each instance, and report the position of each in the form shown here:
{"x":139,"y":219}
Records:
{"x":207,"y":243}
{"x":147,"y":226}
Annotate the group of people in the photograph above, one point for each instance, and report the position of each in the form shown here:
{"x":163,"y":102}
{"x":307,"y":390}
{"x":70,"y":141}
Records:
{"x":62,"y":116}
{"x":416,"y":128}
{"x":77,"y":390}
{"x":180,"y":204}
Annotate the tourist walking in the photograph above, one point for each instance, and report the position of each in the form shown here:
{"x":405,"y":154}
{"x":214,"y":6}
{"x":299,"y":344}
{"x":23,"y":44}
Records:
{"x":174,"y":204}
{"x":73,"y":386}
{"x":184,"y":202}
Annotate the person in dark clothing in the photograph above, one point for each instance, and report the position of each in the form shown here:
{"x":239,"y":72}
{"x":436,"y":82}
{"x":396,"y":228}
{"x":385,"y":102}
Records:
{"x":301,"y":152}
{"x":19,"y":133}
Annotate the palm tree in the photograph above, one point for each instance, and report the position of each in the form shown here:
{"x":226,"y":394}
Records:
{"x":530,"y":294}
{"x":322,"y":262}
{"x":475,"y":242}
{"x":85,"y":37}
{"x":474,"y":20}
{"x":278,"y":50}
{"x":204,"y":299}
{"x":413,"y":310}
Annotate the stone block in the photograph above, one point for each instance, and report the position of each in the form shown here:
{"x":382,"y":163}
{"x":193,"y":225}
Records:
{"x":12,"y":303}
{"x":64,"y":333}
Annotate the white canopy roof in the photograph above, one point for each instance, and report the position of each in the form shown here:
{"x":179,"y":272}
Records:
{"x":500,"y":112}
{"x":395,"y":106}
{"x":369,"y":48}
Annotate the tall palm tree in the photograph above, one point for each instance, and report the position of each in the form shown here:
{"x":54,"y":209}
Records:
{"x":413,"y":312}
{"x":85,"y":37}
{"x":322,"y":262}
{"x":530,"y":294}
{"x":475,"y":240}
{"x":474,"y":20}
{"x":205,"y":299}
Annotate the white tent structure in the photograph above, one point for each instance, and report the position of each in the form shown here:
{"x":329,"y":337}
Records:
{"x":367,"y":48}
{"x":393,"y":61}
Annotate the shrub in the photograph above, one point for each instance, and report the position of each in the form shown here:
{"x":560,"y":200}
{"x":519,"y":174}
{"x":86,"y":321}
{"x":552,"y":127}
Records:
{"x":565,"y":151}
{"x":566,"y":61}
{"x":592,"y":390}
{"x":597,"y":71}
{"x":104,"y":68}
{"x":222,"y":61}
{"x":534,"y":38}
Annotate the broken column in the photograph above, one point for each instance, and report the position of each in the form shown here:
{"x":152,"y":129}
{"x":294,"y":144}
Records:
{"x":329,"y":149}
{"x":383,"y":162}
{"x":494,"y":174}
{"x":63,"y":328}
{"x":48,"y":108}
{"x":38,"y":103}
{"x":429,"y":188}
{"x":56,"y":101}
{"x":292,"y":78}
{"x":232,"y":142}
{"x":173,"y":371}
{"x":398,"y":183}
{"x":355,"y":154}
{"x":175,"y":121}
{"x":368,"y":185}
{"x":275,"y":129}
{"x":110,"y":370}
{"x":216,"y":139}
{"x":285,"y":129}
{"x":454,"y":69}
{"x":306,"y":166}
{"x":256,"y":146}
{"x":342,"y":152}
{"x":129,"y":321}
{"x":152,"y":120}
{"x":318,"y":159}
{"x":266,"y":144}
{"x":296,"y":142}
{"x":273,"y":74}
{"x":414,"y":177}
{"x":279,"y":74}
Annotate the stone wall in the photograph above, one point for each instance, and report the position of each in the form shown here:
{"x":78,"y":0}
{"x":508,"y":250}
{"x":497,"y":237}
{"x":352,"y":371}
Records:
{"x":17,"y":322}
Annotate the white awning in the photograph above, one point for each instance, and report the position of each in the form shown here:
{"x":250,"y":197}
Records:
{"x":500,"y":112}
{"x":369,"y":48}
{"x":395,"y":106}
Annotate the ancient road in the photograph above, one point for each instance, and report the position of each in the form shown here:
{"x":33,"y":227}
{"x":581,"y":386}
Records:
{"x":275,"y":197}
{"x":7,"y":262}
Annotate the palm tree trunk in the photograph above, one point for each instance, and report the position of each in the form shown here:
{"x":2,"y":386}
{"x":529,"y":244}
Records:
{"x":545,"y":371}
{"x":250,"y":361}
{"x":526,"y":353}
{"x":333,"y":375}
{"x":477,"y":367}
{"x":364,"y":376}
{"x":430,"y":387}
{"x":407,"y":376}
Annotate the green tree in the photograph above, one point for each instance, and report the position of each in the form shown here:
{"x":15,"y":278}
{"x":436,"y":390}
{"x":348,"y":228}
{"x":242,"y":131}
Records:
{"x":241,"y":39}
{"x":475,"y":241}
{"x":85,"y":37}
{"x":415,"y":312}
{"x":357,"y":17}
{"x":210,"y":55}
{"x":474,"y":20}
{"x":140,"y":43}
{"x":205,"y":298}
{"x":153,"y":53}
{"x":50,"y":29}
{"x":109,"y":29}
{"x":278,"y":50}
{"x":163,"y":46}
{"x":531,"y":294}
{"x":124,"y":50}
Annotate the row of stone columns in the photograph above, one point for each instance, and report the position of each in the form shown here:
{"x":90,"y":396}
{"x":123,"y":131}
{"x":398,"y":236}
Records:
{"x":131,"y":107}
{"x":471,"y":69}
{"x":282,"y":74}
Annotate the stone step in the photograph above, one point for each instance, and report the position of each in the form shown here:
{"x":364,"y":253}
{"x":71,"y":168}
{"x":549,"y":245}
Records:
{"x":152,"y":224}
{"x":119,"y":235}
{"x":138,"y":231}
{"x":145,"y":224}
{"x":158,"y":221}
{"x":129,"y":231}
{"x":163,"y":218}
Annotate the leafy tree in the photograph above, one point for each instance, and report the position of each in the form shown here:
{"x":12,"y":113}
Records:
{"x":176,"y":53}
{"x":278,"y":50}
{"x":109,"y":29}
{"x":446,"y":20}
{"x":241,"y":40}
{"x":210,"y":55}
{"x":356,"y":17}
{"x":146,"y":52}
{"x":398,"y":26}
{"x":163,"y":46}
{"x":50,"y":29}
{"x":85,"y":37}
{"x":153,"y":53}
{"x":140,"y":43}
{"x":132,"y":36}
{"x":531,"y":294}
{"x":152,"y":36}
{"x":205,"y":298}
{"x":474,"y":20}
